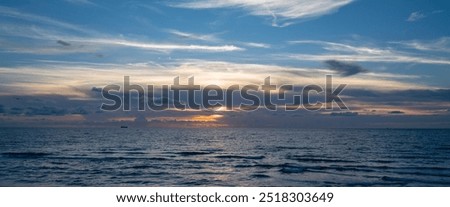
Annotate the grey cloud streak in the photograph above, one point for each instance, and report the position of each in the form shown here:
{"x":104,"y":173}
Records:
{"x":344,"y":68}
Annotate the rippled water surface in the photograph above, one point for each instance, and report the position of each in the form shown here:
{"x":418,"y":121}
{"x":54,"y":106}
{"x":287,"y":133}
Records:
{"x":224,"y":157}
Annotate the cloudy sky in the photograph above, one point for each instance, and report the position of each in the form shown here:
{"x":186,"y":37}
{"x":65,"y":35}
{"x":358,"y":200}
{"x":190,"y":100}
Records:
{"x":394,"y":56}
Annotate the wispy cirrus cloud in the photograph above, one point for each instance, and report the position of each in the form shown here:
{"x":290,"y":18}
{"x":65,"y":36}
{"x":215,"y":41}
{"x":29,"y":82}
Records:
{"x":359,"y":53}
{"x":16,"y":14}
{"x":282,"y":12}
{"x":80,"y":44}
{"x":159,"y":46}
{"x":439,"y":45}
{"x":416,"y":16}
{"x":256,"y":44}
{"x":86,"y":45}
{"x":48,"y":31}
{"x":81,"y":2}
{"x":213,"y":38}
{"x":186,"y":35}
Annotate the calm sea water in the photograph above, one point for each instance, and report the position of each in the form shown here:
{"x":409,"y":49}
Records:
{"x":224,"y":157}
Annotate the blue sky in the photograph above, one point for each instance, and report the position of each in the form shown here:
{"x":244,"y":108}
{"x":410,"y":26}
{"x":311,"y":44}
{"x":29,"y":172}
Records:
{"x":57,"y":51}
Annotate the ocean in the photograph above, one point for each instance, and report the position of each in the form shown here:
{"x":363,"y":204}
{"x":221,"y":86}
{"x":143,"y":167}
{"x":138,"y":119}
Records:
{"x":224,"y":157}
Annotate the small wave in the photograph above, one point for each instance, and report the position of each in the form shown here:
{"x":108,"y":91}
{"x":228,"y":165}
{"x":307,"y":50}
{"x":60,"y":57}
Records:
{"x":401,"y":181}
{"x":143,"y":166}
{"x":196,"y":182}
{"x":193,"y":153}
{"x":210,"y":173}
{"x":199,"y":162}
{"x":428,"y":174}
{"x":290,"y":168}
{"x":293,"y":148}
{"x":25,"y":155}
{"x":416,"y":157}
{"x":265,"y":166}
{"x":443,"y":148}
{"x":101,"y":159}
{"x":259,"y":176}
{"x":240,"y":157}
{"x":429,"y":168}
{"x":349,"y":168}
{"x":213,"y":150}
{"x":313,"y":159}
{"x":135,"y":153}
{"x":383,"y":161}
{"x":106,"y":152}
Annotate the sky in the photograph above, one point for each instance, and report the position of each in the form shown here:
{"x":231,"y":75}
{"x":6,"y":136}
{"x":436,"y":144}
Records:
{"x":394,"y":57}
